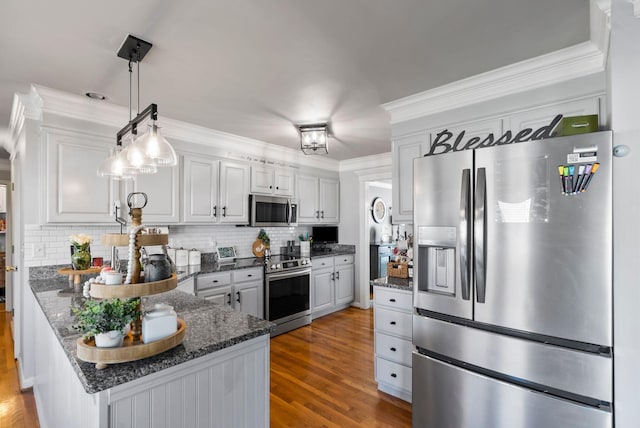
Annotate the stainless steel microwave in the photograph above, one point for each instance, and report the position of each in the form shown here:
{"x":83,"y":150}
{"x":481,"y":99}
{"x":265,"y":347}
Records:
{"x":272,"y":211}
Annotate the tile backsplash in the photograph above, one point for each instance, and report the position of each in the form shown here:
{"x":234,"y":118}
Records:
{"x":49,"y":245}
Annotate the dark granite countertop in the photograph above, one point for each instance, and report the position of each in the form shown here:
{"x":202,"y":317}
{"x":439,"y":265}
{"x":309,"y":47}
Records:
{"x":209,"y":328}
{"x":392,"y":282}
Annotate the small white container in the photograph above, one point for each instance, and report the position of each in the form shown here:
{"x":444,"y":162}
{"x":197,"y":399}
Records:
{"x":160,"y":322}
{"x":112,"y":277}
{"x":182,"y":257}
{"x":110,"y":339}
{"x":194,"y":257}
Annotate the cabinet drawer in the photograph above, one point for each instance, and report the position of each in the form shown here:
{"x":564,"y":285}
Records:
{"x":212,"y":280}
{"x":393,"y":374}
{"x":322,"y":262}
{"x":347,"y":259}
{"x":242,"y":275}
{"x":393,"y":299}
{"x":394,"y":322}
{"x":394,"y":348}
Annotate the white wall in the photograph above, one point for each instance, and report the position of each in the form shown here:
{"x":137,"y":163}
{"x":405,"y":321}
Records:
{"x":624,"y":82}
{"x":376,"y":229}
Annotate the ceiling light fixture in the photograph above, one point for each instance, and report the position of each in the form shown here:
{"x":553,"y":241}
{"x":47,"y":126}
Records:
{"x":144,"y":154}
{"x":314,"y":139}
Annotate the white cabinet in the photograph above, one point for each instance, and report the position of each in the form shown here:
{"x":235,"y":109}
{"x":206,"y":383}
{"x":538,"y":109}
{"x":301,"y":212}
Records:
{"x":241,"y":289}
{"x":215,"y":191}
{"x":271,"y":181}
{"x":405,"y":150}
{"x":393,"y":340}
{"x":234,"y":192}
{"x":332,"y":284}
{"x":163,"y":193}
{"x":318,"y":199}
{"x":75,"y":193}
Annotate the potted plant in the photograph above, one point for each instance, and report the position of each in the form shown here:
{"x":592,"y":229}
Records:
{"x":106,"y":320}
{"x":80,"y":252}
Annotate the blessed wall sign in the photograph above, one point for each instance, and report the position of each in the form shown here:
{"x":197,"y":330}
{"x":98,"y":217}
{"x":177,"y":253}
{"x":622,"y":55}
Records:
{"x":444,"y":142}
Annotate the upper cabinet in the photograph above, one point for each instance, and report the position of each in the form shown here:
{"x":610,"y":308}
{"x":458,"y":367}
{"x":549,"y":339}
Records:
{"x":215,"y":191}
{"x":234,"y":192}
{"x":271,"y":181}
{"x":163,"y":195}
{"x":75,"y":193}
{"x":318,"y":199}
{"x":405,"y":150}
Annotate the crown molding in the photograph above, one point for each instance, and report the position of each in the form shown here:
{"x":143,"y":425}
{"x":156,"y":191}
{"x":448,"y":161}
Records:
{"x":559,"y":66}
{"x":366,"y":162}
{"x":61,"y":103}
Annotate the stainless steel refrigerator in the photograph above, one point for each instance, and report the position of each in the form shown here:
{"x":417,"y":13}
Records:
{"x":513,"y":286}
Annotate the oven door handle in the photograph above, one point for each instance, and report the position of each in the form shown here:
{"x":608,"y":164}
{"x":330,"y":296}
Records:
{"x":286,"y":275}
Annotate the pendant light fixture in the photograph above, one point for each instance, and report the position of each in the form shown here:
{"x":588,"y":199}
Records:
{"x":144,"y":154}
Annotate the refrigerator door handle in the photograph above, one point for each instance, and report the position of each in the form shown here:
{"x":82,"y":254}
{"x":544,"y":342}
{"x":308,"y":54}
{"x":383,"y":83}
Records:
{"x":463,"y":235}
{"x":479,"y":232}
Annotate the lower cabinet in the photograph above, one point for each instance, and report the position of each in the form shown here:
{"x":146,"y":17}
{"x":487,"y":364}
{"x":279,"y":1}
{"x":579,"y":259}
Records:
{"x":393,"y":340}
{"x":332,"y":284}
{"x":242,"y":290}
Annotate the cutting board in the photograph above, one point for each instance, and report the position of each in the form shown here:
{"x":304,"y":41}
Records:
{"x":258,"y":248}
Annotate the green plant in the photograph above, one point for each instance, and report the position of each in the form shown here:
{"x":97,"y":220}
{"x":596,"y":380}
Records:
{"x":101,"y":316}
{"x":262,"y":235}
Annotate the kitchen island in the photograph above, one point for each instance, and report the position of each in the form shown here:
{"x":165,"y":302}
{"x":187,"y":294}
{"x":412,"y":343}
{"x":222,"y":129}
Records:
{"x":218,"y":376}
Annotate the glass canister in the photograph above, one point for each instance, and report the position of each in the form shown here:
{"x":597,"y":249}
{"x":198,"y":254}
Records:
{"x":157,"y":268}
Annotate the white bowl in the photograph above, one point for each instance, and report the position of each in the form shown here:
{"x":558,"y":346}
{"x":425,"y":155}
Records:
{"x":112,"y":278}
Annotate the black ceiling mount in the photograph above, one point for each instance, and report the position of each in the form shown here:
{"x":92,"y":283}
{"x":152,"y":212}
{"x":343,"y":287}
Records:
{"x":134,"y":49}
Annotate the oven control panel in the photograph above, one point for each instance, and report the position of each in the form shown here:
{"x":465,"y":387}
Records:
{"x":277,"y":265}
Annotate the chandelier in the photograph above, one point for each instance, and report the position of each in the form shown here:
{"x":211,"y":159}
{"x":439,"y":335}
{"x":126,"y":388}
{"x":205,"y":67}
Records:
{"x":140,"y":154}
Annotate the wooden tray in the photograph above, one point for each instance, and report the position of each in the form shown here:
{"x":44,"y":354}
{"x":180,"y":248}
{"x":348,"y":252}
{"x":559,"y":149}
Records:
{"x":72,"y":271}
{"x":122,"y":240}
{"x":129,"y":351}
{"x":103,"y":291}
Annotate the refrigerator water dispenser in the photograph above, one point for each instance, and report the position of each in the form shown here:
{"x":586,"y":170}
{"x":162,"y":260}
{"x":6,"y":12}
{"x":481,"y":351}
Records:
{"x":437,"y":255}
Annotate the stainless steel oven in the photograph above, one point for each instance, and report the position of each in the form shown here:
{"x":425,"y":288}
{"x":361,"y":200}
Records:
{"x":288,"y":293}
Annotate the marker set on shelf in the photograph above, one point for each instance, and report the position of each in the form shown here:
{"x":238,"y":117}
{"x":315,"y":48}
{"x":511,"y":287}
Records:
{"x":576,"y":178}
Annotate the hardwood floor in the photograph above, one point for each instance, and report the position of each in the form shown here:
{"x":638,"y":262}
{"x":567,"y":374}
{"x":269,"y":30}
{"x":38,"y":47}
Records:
{"x":322,"y":375}
{"x":17,"y":409}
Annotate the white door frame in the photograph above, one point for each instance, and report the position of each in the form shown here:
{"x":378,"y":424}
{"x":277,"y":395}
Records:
{"x":364,"y":181}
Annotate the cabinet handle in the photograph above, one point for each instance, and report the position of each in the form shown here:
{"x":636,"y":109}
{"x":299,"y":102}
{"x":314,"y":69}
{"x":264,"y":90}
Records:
{"x":249,"y":275}
{"x":394,"y":375}
{"x":393,"y":349}
{"x":333,"y":277}
{"x":215,"y":211}
{"x":392,"y":300}
{"x":317,"y":214}
{"x":224,"y":211}
{"x":392,"y":323}
{"x":214,"y":281}
{"x":270,"y":187}
{"x":229,"y":299}
{"x":277,"y":188}
{"x":337,"y":275}
{"x":238,"y":296}
{"x":321,"y":214}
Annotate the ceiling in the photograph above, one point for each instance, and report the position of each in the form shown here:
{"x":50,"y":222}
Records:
{"x":255,"y":67}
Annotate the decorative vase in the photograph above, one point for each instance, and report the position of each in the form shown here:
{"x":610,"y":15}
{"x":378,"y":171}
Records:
{"x":80,"y":256}
{"x":110,"y":339}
